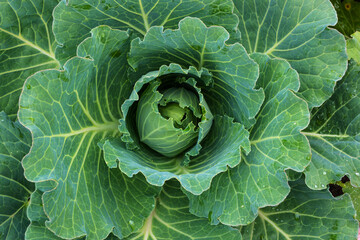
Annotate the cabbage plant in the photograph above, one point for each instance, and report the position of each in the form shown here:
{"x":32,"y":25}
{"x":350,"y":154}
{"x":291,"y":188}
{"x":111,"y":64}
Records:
{"x":176,"y":120}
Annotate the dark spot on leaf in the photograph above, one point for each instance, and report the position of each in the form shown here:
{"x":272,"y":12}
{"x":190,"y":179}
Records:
{"x":28,"y":86}
{"x":214,"y":8}
{"x":224,"y":8}
{"x":115,"y":54}
{"x":197,"y":47}
{"x":335,"y":226}
{"x":333,"y":237}
{"x":83,"y":7}
{"x":64,"y":78}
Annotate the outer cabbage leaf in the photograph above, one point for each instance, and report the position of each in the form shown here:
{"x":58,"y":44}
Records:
{"x":305,"y":214}
{"x":294,"y":30}
{"x":27,"y":45}
{"x":334,"y":135}
{"x":68,"y":113}
{"x":35,"y":212}
{"x":171,"y":220}
{"x":353,"y":47}
{"x":348,"y":12}
{"x":276,"y":144}
{"x":74,"y":19}
{"x":15,"y":190}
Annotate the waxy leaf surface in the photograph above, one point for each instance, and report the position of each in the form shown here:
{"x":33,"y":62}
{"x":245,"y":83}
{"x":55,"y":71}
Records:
{"x":15,"y":190}
{"x":305,"y":214}
{"x":296,"y":31}
{"x":232,"y":98}
{"x":171,"y":220}
{"x":276,"y":144}
{"x":73,"y":20}
{"x":27,"y":45}
{"x":68,"y":113}
{"x":334,"y":135}
{"x":194,"y":44}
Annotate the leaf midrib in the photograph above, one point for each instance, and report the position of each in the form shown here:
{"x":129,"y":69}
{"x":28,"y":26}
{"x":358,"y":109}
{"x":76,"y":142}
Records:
{"x":30,"y":44}
{"x":276,"y":227}
{"x":110,"y":126}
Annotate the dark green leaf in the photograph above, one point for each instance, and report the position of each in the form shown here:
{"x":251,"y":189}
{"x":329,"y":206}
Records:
{"x":68,"y":113}
{"x":276,"y":144}
{"x":171,"y":220}
{"x":294,"y":30}
{"x":15,"y":190}
{"x":348,"y":12}
{"x":194,"y":44}
{"x":27,"y":45}
{"x":74,"y":19}
{"x":334,"y":134}
{"x":305,"y":214}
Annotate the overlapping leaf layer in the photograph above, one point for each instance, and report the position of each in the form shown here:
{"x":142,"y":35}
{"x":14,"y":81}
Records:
{"x":74,"y":166}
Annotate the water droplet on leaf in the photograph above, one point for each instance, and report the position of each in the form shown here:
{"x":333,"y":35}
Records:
{"x":132,"y":224}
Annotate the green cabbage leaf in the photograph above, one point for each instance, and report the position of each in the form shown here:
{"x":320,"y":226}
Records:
{"x":65,"y":142}
{"x":334,"y":135}
{"x":27,"y":45}
{"x":74,"y":19}
{"x":305,"y":214}
{"x":276,"y":144}
{"x":177,"y":119}
{"x":297,"y":31}
{"x":15,"y":190}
